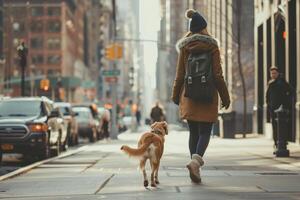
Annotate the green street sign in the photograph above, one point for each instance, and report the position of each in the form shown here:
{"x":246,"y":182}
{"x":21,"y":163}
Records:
{"x":114,"y":72}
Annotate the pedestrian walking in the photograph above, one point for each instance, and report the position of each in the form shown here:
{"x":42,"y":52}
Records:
{"x":279,"y":93}
{"x":105,"y":125}
{"x":197,"y":84}
{"x":138,"y":116}
{"x":157,"y":114}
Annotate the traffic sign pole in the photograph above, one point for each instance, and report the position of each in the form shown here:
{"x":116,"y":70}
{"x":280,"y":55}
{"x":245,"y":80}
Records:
{"x":114,"y":128}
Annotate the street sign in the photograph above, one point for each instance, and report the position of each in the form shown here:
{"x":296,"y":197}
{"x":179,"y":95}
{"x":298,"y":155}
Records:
{"x":109,"y":73}
{"x":111,"y":79}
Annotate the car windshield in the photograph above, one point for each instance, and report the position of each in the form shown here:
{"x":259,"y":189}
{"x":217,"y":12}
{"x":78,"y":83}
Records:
{"x":19,"y":108}
{"x":84,"y":114}
{"x":65,"y":111}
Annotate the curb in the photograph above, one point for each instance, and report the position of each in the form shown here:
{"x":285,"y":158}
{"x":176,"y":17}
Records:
{"x":26,"y":169}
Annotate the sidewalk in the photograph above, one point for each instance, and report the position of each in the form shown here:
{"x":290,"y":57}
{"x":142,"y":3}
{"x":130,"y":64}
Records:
{"x":234,"y":169}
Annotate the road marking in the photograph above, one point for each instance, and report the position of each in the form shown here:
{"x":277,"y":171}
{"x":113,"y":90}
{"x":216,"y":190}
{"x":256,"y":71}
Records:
{"x":26,"y":169}
{"x":177,"y":189}
{"x":104,"y":184}
{"x":94,"y":163}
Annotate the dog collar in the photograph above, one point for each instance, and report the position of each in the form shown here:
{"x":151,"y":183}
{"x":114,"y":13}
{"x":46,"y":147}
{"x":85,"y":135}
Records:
{"x":157,"y":132}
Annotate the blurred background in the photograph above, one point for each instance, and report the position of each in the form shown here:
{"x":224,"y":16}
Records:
{"x":121,"y":55}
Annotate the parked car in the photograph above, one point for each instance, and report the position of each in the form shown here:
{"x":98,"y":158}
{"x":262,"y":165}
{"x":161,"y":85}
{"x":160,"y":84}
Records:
{"x":86,"y":123}
{"x":30,"y":125}
{"x":70,"y":121}
{"x":62,"y":123}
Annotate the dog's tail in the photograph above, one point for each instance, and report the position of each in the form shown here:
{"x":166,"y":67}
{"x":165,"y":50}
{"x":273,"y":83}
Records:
{"x":139,"y":151}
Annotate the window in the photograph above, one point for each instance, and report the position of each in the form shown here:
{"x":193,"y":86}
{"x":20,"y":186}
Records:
{"x":36,"y":26}
{"x":36,"y":43}
{"x":53,"y":72}
{"x":37,"y":59}
{"x":54,"y":59}
{"x":18,"y":27}
{"x":37,"y":11}
{"x":54,"y":26}
{"x":54,"y":11}
{"x":53,"y":43}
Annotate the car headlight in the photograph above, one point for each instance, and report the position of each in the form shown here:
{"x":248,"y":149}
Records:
{"x":38,"y":127}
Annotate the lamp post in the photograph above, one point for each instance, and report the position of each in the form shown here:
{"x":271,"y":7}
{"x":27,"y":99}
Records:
{"x":2,"y":63}
{"x":22,"y":53}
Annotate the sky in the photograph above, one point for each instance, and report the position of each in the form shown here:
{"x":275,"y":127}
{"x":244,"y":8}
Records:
{"x":149,"y":26}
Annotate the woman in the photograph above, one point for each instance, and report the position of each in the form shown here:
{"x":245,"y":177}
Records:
{"x":200,"y":116}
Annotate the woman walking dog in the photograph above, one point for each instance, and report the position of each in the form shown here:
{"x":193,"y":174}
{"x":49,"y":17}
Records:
{"x":198,"y":82}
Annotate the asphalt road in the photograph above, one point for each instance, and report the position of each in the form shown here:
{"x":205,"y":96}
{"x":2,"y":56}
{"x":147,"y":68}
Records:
{"x":12,"y":162}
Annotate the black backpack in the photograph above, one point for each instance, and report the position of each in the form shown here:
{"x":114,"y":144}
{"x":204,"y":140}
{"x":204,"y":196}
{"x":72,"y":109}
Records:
{"x":199,"y":83}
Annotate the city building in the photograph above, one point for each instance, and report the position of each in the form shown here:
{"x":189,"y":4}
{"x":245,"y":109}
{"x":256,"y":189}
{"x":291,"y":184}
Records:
{"x":54,"y":34}
{"x":277,"y":43}
{"x":173,"y":26}
{"x":2,"y":60}
{"x":229,"y":22}
{"x":222,"y":18}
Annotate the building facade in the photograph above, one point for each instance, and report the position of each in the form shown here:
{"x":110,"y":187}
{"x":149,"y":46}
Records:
{"x":223,"y":18}
{"x":277,"y":43}
{"x":2,"y":60}
{"x":53,"y":33}
{"x":173,"y":26}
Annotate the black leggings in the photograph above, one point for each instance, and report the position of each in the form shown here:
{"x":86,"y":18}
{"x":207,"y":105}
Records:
{"x":199,"y":136}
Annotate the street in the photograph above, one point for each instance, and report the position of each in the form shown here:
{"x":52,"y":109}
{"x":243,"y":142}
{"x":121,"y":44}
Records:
{"x":234,"y":169}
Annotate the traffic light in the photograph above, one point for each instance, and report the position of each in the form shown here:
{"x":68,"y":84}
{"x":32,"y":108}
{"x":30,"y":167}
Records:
{"x":131,"y":76}
{"x":109,"y":52}
{"x":119,"y":51}
{"x":45,"y":84}
{"x":22,"y":53}
{"x":113,"y":52}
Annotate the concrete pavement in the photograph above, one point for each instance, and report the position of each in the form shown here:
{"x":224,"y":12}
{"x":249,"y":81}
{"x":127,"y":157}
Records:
{"x":234,"y":169}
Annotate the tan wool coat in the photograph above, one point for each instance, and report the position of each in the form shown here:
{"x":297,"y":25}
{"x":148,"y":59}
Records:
{"x":189,"y":109}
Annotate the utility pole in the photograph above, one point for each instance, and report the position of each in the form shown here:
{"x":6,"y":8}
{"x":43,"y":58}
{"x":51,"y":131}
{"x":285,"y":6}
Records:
{"x":22,"y":53}
{"x":114,"y":129}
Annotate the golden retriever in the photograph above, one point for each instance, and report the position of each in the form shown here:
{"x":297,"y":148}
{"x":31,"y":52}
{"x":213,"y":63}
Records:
{"x":150,"y":146}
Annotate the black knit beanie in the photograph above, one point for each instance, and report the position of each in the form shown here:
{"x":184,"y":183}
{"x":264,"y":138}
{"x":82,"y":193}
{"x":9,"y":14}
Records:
{"x":197,"y":22}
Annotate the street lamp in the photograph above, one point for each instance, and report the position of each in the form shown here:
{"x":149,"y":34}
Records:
{"x":2,"y":63}
{"x":22,"y":53}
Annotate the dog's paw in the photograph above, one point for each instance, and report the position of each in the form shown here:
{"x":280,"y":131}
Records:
{"x":146,"y":183}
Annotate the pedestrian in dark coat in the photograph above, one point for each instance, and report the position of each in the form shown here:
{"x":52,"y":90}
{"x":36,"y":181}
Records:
{"x":157,"y":114}
{"x":200,"y":116}
{"x":279,"y":93}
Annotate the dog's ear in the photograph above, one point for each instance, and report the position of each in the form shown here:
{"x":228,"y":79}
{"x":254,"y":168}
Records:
{"x":165,"y":125}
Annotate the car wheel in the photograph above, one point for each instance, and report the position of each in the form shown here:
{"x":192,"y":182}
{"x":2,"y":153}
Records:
{"x":70,"y":137}
{"x":65,"y":145}
{"x":76,"y":141}
{"x":93,"y":135}
{"x":1,"y":156}
{"x":45,"y":152}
